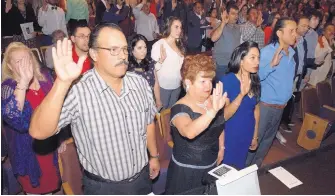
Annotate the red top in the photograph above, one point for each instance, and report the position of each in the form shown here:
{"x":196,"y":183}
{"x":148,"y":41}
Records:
{"x":267,"y":34}
{"x":87,"y":62}
{"x":153,"y":9}
{"x":49,"y":181}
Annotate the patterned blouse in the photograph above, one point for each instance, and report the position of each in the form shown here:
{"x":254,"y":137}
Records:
{"x":21,"y":153}
{"x":149,"y":75}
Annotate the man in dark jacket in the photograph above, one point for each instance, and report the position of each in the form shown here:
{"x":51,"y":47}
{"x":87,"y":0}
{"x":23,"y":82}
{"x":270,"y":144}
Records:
{"x":195,"y":21}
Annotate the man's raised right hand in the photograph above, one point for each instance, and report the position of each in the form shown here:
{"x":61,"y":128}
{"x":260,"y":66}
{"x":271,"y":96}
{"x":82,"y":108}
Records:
{"x":66,"y":69}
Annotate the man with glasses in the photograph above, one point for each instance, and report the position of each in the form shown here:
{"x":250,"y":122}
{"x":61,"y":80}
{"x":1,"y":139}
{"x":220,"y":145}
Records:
{"x":111,"y":112}
{"x":80,"y":34}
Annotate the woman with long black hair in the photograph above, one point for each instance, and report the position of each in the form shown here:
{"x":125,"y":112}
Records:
{"x":243,"y":87}
{"x":141,"y":63}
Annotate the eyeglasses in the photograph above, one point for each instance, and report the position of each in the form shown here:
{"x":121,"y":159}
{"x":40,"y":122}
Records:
{"x":83,"y":37}
{"x":114,"y":51}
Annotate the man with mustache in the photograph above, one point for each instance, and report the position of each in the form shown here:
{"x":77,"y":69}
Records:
{"x":80,"y":34}
{"x":111,"y":112}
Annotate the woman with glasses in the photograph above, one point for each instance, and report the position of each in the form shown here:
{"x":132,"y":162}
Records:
{"x":168,"y":69}
{"x":142,"y":64}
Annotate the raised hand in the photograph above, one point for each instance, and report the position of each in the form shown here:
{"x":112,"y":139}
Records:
{"x":218,"y":99}
{"x":66,"y":69}
{"x":163,"y":55}
{"x":245,"y":84}
{"x":276,"y":58}
{"x":259,"y":19}
{"x":224,"y":16}
{"x":26,"y":72}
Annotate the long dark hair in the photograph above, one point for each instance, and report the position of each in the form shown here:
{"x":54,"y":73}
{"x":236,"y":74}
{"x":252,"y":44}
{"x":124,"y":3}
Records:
{"x":281,"y":23}
{"x":234,"y":66}
{"x":167,"y":32}
{"x":132,"y":59}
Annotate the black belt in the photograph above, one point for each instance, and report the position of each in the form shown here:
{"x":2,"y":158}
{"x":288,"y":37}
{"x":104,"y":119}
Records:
{"x":100,"y":179}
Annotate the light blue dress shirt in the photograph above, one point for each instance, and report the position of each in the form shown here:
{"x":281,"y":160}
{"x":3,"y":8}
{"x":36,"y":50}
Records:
{"x":276,"y":82}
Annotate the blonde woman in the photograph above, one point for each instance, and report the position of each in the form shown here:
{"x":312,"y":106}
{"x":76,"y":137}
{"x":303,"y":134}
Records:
{"x":23,"y":88}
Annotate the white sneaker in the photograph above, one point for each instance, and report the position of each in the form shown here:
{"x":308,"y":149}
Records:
{"x":291,"y":124}
{"x":281,"y":138}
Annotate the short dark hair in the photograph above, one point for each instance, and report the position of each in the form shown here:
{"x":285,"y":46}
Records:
{"x":249,"y":10}
{"x":298,"y":18}
{"x":232,"y":6}
{"x":96,"y":32}
{"x":74,"y":27}
{"x":315,"y":13}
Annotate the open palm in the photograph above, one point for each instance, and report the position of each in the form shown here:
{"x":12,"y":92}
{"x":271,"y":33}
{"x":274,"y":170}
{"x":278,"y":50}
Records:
{"x":66,"y":69}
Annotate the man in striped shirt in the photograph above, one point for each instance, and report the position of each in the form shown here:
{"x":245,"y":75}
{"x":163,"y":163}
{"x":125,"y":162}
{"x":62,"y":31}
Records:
{"x":111,"y":113}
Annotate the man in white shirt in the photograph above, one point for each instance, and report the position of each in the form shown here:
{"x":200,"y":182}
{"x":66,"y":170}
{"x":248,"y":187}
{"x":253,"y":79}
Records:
{"x":51,"y":18}
{"x":146,"y":23}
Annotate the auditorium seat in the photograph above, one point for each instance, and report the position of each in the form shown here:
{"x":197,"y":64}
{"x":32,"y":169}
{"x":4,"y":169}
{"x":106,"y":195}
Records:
{"x":70,"y":169}
{"x":324,"y":93}
{"x":164,"y":159}
{"x":37,"y":54}
{"x":318,"y":121}
{"x":165,"y":124}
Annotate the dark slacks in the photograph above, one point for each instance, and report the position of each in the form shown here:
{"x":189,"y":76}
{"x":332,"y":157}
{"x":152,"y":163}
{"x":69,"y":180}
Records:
{"x":140,"y":185}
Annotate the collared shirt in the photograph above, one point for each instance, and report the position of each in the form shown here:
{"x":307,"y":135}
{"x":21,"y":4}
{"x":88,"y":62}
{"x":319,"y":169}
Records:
{"x":228,"y":41}
{"x":52,"y":20}
{"x":276,"y":82}
{"x":110,"y":130}
{"x":77,"y":9}
{"x":146,"y":25}
{"x":87,"y":62}
{"x":311,"y":38}
{"x":251,"y":33}
{"x":301,"y":55}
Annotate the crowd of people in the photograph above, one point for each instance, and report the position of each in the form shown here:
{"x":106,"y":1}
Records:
{"x":228,"y":70}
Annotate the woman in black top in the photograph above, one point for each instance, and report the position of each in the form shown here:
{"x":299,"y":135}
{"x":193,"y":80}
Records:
{"x":19,"y":12}
{"x":142,"y":64}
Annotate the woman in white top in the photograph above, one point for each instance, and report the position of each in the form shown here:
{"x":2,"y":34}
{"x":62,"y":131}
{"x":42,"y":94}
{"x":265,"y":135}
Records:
{"x":168,"y":69}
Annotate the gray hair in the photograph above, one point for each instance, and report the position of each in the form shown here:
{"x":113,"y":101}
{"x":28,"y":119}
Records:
{"x":57,"y":35}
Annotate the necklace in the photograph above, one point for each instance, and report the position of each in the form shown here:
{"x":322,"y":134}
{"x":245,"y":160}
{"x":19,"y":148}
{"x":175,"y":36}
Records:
{"x":203,"y":105}
{"x":34,"y":91}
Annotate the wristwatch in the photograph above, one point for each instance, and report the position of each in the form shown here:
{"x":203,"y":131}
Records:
{"x":155,"y":157}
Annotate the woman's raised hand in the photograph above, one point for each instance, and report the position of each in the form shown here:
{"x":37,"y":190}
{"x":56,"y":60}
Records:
{"x":218,"y":98}
{"x":26,"y":71}
{"x":66,"y":69}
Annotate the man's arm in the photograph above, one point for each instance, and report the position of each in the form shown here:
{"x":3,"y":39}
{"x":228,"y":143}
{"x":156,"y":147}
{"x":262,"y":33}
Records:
{"x":151,"y":140}
{"x":216,"y":34}
{"x":45,"y":119}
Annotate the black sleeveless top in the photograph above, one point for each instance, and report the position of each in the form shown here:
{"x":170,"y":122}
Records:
{"x":203,"y":149}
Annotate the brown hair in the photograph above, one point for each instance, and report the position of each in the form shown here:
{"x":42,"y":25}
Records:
{"x":193,"y":64}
